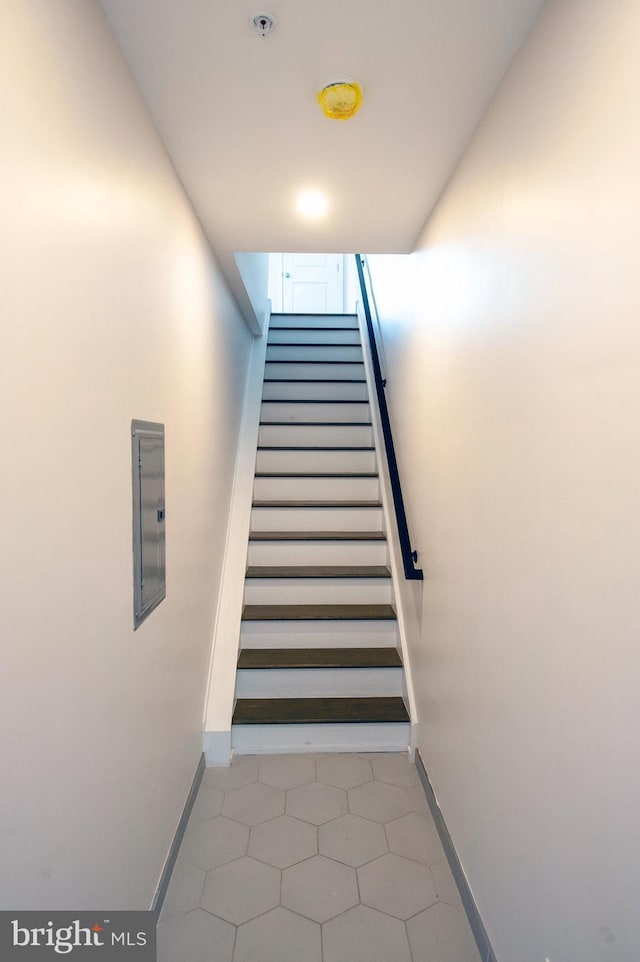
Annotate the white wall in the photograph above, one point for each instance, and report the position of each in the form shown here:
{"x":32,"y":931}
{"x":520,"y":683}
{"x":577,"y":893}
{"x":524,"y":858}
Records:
{"x":276,"y":270}
{"x":248,"y":277}
{"x":513,"y":353}
{"x":254,"y":271}
{"x":112,"y":308}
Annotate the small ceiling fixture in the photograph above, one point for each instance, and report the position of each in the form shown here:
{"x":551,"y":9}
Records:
{"x":264,"y":23}
{"x":312,"y":204}
{"x":341,"y":99}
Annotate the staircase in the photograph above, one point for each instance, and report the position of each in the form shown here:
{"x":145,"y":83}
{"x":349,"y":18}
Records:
{"x":319,"y":667}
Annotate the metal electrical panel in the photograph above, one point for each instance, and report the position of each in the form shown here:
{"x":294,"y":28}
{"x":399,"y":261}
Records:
{"x":149,"y":571}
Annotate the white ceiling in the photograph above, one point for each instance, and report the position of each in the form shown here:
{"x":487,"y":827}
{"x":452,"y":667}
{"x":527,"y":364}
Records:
{"x":239,"y":116}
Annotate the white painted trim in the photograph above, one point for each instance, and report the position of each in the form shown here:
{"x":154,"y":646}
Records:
{"x":391,"y":528}
{"x":299,"y":739}
{"x":319,"y":682}
{"x":217,"y":747}
{"x":226,"y":634}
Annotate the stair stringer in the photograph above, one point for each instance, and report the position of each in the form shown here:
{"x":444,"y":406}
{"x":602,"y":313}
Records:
{"x":391,"y":528}
{"x":220,"y":696}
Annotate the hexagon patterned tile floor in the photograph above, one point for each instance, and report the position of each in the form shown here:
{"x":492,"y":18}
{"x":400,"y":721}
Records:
{"x":327,"y":858}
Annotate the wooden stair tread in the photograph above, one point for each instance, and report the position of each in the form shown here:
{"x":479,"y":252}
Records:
{"x":318,"y":613}
{"x":317,"y":536}
{"x":318,"y":571}
{"x":312,"y":400}
{"x":287,"y":328}
{"x":315,"y":447}
{"x":316,"y":474}
{"x":317,"y":424}
{"x":328,"y":327}
{"x":293,"y":360}
{"x":317,"y":504}
{"x":313,"y":343}
{"x":258,"y":658}
{"x":314,"y":380}
{"x":301,"y":711}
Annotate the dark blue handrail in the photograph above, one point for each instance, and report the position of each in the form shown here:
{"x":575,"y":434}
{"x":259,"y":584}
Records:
{"x":409,"y":556}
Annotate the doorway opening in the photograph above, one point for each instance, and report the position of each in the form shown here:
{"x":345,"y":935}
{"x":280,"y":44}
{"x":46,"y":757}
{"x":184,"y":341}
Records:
{"x":312,"y":283}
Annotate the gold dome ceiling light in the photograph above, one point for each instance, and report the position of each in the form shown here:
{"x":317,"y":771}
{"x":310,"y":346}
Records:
{"x":341,"y":99}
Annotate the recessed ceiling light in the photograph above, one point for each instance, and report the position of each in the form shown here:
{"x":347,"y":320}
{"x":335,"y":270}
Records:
{"x":312,"y":204}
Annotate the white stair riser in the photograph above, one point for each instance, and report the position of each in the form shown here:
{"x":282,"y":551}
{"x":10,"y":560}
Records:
{"x":316,"y":519}
{"x":343,"y":435}
{"x":318,"y":553}
{"x":295,"y":411}
{"x":314,"y":352}
{"x":314,"y":337}
{"x":318,"y":634}
{"x":316,"y":489}
{"x":363,"y":737}
{"x":312,"y":321}
{"x":318,"y":591}
{"x":319,"y":682}
{"x":314,"y":371}
{"x":347,"y":461}
{"x":314,"y":391}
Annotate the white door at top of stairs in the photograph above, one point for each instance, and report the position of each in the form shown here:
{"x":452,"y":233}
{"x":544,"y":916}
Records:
{"x":313,"y":283}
